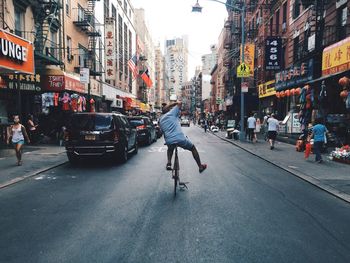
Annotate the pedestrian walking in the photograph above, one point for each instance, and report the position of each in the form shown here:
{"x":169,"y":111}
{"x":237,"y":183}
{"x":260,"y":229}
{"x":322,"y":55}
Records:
{"x":251,"y":123}
{"x":273,"y":125}
{"x":205,"y":125}
{"x":318,"y":134}
{"x":257,"y":127}
{"x":32,"y":127}
{"x":17,"y":136}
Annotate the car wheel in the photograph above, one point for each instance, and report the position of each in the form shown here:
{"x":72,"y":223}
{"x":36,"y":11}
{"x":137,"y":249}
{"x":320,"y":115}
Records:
{"x":73,"y":159}
{"x":124,"y":155}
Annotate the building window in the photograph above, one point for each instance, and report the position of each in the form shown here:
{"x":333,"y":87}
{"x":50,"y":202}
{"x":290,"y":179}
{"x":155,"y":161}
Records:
{"x":277,"y":22}
{"x":284,"y":18}
{"x":271,"y":26}
{"x":341,"y":23}
{"x":19,"y":21}
{"x":125,"y":6}
{"x":81,"y":16}
{"x":69,"y":49}
{"x":114,"y":11}
{"x":296,"y":49}
{"x":126,"y":55}
{"x":82,"y":57}
{"x":68,"y":7}
{"x":53,"y":46}
{"x":296,"y":8}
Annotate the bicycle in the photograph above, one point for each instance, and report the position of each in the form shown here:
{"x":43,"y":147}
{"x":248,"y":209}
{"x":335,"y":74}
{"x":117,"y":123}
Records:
{"x":175,"y":173}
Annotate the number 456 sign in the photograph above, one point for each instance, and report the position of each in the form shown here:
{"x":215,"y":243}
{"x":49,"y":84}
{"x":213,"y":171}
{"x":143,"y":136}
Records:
{"x":273,"y":53}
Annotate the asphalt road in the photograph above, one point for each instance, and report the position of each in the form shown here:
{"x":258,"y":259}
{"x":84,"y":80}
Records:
{"x":241,"y":209}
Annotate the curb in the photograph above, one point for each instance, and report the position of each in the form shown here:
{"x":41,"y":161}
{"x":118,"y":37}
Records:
{"x":329,"y":189}
{"x":37,"y":172}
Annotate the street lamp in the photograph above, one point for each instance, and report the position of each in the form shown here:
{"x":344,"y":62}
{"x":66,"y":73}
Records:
{"x":242,"y":10}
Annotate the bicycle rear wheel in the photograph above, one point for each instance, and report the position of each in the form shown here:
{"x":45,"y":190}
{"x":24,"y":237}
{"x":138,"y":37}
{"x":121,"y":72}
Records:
{"x":176,"y":180}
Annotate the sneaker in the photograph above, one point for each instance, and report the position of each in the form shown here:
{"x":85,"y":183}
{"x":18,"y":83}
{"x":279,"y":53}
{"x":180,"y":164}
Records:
{"x":203,"y":167}
{"x":320,"y":161}
{"x":168,"y":166}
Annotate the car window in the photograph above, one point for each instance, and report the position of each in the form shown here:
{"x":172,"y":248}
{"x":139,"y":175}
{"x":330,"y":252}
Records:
{"x":136,"y":122}
{"x":87,"y":122}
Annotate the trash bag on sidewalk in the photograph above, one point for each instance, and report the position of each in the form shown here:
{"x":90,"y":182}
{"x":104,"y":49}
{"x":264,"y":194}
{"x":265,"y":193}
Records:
{"x":307,"y":150}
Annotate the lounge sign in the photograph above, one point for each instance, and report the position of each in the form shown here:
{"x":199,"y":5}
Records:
{"x":16,"y":54}
{"x":336,"y":57}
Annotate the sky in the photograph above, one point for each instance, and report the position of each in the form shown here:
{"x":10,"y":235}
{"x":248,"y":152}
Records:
{"x":167,"y":19}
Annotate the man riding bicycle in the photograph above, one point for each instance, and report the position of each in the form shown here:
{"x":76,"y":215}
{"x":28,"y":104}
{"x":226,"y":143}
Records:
{"x":173,"y":135}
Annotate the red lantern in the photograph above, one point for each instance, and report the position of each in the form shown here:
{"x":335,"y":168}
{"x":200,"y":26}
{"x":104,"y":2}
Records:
{"x":344,"y":94}
{"x":297,"y":91}
{"x":292,"y":92}
{"x":282,"y":94}
{"x":344,"y":81}
{"x":287,"y":93}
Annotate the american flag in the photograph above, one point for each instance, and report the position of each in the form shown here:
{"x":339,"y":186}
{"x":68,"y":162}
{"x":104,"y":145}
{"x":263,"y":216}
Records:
{"x":133,"y":65}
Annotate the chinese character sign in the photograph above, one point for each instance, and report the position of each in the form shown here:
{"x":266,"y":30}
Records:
{"x":110,"y":49}
{"x":273,"y":53}
{"x":249,"y":55}
{"x":336,"y":58}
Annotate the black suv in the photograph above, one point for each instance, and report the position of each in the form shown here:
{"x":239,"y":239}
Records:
{"x":146,"y":132}
{"x":100,"y":134}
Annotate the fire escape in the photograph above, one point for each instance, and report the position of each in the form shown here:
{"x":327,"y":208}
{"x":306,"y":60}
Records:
{"x":48,"y":37}
{"x":3,"y":24}
{"x":86,"y":21}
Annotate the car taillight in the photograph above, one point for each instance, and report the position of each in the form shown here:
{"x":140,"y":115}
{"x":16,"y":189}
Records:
{"x":141,"y":127}
{"x":116,"y":136}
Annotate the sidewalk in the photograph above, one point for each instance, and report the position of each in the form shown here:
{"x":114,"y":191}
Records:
{"x":36,"y":159}
{"x":330,"y":176}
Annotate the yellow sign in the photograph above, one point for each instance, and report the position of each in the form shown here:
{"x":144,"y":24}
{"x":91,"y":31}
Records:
{"x":249,"y":55}
{"x":336,"y":57}
{"x":243,"y":71}
{"x":267,"y":89}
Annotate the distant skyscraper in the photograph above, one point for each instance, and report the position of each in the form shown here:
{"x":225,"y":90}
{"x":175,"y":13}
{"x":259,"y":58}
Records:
{"x":176,"y":60}
{"x":208,"y":63}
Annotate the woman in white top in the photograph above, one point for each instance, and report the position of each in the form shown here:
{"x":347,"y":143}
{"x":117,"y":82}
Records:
{"x":18,"y":134}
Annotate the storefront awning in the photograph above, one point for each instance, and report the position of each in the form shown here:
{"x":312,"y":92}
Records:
{"x":325,"y":77}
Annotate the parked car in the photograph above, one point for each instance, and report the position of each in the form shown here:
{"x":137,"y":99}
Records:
{"x":158,"y":129}
{"x":146,"y":132}
{"x":185,"y":122}
{"x":100,"y":134}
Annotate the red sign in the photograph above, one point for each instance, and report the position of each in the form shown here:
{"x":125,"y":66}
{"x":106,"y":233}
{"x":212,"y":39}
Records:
{"x":57,"y":83}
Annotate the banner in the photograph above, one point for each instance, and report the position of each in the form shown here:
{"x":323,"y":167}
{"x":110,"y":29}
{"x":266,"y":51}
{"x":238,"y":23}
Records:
{"x":267,"y":89}
{"x":273,"y":53}
{"x":110,"y":49}
{"x":249,"y":55}
{"x":336,"y":58}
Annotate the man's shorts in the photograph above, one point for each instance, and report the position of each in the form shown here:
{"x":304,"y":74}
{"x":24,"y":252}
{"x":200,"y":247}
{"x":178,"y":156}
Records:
{"x":184,"y":144}
{"x":272,"y":135}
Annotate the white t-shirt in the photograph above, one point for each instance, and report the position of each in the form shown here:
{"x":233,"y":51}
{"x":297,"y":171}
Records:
{"x":273,"y":124}
{"x":251,"y":122}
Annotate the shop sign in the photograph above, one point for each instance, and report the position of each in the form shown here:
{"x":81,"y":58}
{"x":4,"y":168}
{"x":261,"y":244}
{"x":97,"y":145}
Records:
{"x":267,"y":89}
{"x":294,"y":75}
{"x":296,"y":126}
{"x":336,"y":57}
{"x":84,"y":75}
{"x":273,"y":53}
{"x":110,"y":49}
{"x":64,"y":82}
{"x":119,"y":103}
{"x":95,"y":87}
{"x":244,"y":87}
{"x":16,"y":54}
{"x":26,"y":82}
{"x":249,"y":56}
